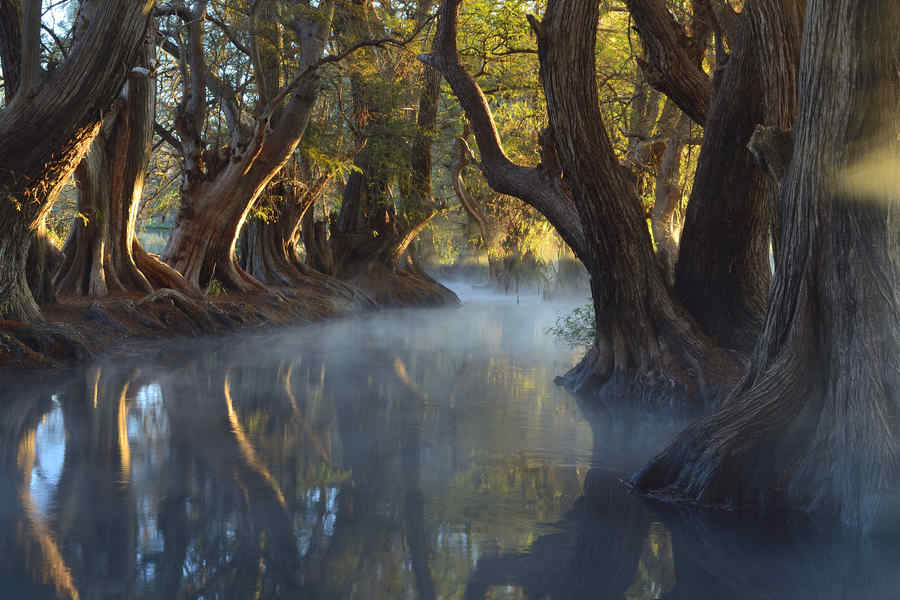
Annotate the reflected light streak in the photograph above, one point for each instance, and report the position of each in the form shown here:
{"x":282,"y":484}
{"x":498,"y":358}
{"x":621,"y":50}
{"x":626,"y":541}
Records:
{"x":124,"y":447}
{"x":246,"y":448}
{"x":39,"y":549}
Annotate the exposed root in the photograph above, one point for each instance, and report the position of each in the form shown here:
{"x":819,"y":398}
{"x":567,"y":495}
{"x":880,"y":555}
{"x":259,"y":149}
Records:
{"x":191,"y":309}
{"x":40,"y":344}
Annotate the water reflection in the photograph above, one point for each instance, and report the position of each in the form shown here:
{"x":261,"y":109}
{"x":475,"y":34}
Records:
{"x":408,"y":455}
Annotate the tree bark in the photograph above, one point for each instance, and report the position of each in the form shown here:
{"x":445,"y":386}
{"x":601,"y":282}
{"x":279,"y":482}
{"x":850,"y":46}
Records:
{"x":667,"y":200}
{"x":43,"y":139}
{"x":44,"y":259}
{"x":731,"y":202}
{"x":219,"y":192}
{"x":810,"y":426}
{"x":585,"y":194}
{"x":10,"y":47}
{"x":673,"y":60}
{"x":639,"y":327}
{"x":100,"y":256}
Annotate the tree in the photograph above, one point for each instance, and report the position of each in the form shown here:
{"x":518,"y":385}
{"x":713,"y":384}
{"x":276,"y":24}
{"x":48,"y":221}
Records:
{"x":585,"y":193}
{"x":373,"y":230}
{"x":101,"y":253}
{"x":810,"y":425}
{"x":221,"y":185}
{"x":730,"y":206}
{"x":50,"y":122}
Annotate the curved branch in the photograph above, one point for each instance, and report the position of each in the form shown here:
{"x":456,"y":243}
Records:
{"x":539,"y":187}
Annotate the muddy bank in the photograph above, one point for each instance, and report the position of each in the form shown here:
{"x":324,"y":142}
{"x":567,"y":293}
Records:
{"x":78,"y":329}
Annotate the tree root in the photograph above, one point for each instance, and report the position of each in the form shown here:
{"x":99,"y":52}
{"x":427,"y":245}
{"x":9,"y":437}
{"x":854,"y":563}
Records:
{"x":41,"y":344}
{"x":193,"y":310}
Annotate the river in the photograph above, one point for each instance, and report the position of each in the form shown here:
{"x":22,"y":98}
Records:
{"x":403,"y":454}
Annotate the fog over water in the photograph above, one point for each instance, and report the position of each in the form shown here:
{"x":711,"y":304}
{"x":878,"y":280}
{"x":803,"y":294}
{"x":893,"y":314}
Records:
{"x":402,"y":454}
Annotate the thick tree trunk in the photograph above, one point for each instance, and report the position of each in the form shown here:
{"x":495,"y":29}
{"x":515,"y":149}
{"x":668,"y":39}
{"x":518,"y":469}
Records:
{"x":730,"y":209}
{"x":42,"y":139}
{"x":584,"y":192}
{"x":100,"y":256}
{"x":811,"y":424}
{"x":314,"y":234}
{"x":44,"y":259}
{"x":219,"y":192}
{"x":639,"y":328}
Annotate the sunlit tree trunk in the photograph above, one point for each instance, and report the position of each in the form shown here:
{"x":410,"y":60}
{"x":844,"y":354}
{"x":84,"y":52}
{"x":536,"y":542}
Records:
{"x":220,"y":188}
{"x":585,"y":193}
{"x":49,"y":125}
{"x":100,"y":253}
{"x":811,"y":426}
{"x":667,"y":199}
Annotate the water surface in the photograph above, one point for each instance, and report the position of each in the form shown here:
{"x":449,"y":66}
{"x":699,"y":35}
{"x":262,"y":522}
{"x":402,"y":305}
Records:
{"x":409,"y":454}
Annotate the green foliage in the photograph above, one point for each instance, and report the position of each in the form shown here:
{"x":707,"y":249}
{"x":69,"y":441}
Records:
{"x":215,"y":288}
{"x":578,"y":328}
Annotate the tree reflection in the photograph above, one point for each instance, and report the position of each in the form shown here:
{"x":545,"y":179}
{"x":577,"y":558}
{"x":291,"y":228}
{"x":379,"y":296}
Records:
{"x":95,"y":506}
{"x":32,"y":564}
{"x":609,"y":542}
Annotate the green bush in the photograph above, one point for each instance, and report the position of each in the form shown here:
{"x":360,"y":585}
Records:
{"x":576,"y":328}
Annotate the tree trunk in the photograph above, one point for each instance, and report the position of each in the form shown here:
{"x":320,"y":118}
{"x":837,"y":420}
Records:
{"x":100,"y":256}
{"x":726,"y":289}
{"x":667,"y":201}
{"x":585,"y":194}
{"x":44,"y":259}
{"x":639,"y":328}
{"x":315,"y":240}
{"x":219,"y":192}
{"x":810,"y":426}
{"x":42,"y":139}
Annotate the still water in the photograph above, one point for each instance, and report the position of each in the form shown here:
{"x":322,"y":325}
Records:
{"x":412,"y":454}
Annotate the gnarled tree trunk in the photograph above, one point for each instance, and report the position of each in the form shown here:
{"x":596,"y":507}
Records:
{"x":219,"y":192}
{"x":731,"y":201}
{"x":371,"y":235}
{"x":811,"y":426}
{"x":48,"y":126}
{"x":100,"y":256}
{"x":584,"y":192}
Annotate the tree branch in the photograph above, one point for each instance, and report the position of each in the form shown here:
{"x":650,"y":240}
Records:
{"x":538,"y":187}
{"x":672,"y":63}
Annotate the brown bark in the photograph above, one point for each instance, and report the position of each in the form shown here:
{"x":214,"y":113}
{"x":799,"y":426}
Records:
{"x":673,"y":60}
{"x":219,"y":192}
{"x":43,"y":139}
{"x":667,"y":200}
{"x":44,"y":259}
{"x":810,"y":426}
{"x":270,"y":245}
{"x":10,"y":47}
{"x":639,"y":328}
{"x":314,"y":234}
{"x":100,"y":256}
{"x":589,"y":199}
{"x":731,"y":202}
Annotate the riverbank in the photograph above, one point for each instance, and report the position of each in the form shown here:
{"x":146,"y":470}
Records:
{"x":77,"y":329}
